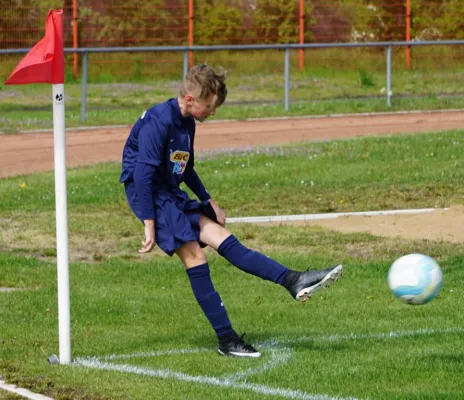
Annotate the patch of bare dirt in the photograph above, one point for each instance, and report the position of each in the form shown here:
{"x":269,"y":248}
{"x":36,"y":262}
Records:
{"x":440,"y":225}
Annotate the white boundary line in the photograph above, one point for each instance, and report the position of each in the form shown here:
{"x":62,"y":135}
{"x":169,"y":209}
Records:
{"x":313,"y":217}
{"x":363,"y":336}
{"x":22,"y":392}
{"x":208,"y":380}
{"x":280,"y":354}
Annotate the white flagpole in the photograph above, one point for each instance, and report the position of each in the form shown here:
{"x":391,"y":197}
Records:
{"x":64,"y":320}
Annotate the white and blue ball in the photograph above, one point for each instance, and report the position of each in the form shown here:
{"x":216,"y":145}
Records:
{"x":415,"y":278}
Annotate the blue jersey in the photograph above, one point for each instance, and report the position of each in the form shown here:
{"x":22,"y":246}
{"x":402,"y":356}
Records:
{"x":157,"y":158}
{"x":163,"y":138}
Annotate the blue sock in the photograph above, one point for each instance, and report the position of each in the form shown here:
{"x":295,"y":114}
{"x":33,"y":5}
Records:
{"x":209,"y":300}
{"x":251,"y":261}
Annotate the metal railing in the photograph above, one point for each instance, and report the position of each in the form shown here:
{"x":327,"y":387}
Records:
{"x":286,"y":47}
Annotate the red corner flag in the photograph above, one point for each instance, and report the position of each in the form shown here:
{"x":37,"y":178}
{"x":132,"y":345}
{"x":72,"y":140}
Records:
{"x":45,"y":61}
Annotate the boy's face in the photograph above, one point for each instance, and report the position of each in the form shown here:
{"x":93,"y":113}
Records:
{"x":200,"y":109}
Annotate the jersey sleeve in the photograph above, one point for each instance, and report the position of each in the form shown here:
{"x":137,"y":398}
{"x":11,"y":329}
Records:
{"x":143,"y":176}
{"x":191,"y":161}
{"x":152,"y":142}
{"x":192,"y":180}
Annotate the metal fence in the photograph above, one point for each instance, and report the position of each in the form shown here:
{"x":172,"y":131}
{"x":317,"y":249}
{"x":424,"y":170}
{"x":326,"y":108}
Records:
{"x":128,"y":23}
{"x":286,"y":48}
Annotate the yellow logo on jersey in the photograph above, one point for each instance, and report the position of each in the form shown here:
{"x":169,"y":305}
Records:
{"x":180,"y":159}
{"x":179,"y":156}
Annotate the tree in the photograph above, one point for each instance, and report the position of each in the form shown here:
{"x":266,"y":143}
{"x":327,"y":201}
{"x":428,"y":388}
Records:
{"x":276,"y":21}
{"x":218,"y":22}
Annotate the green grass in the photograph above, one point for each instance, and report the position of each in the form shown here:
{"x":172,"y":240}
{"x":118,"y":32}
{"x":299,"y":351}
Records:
{"x":26,"y":118}
{"x":419,"y":170}
{"x":318,"y":89}
{"x":4,"y":395}
{"x":338,"y":344}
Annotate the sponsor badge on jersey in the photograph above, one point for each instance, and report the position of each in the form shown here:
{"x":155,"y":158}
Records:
{"x":180,"y":159}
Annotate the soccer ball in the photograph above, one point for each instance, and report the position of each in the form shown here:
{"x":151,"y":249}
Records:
{"x":415,"y":278}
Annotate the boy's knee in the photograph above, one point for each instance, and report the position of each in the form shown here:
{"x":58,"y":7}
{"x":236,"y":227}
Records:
{"x":191,"y":255}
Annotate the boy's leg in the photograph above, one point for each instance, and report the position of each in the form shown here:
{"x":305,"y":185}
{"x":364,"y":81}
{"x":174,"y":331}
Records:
{"x":227,"y":245}
{"x":210,"y":302}
{"x":301,"y":285}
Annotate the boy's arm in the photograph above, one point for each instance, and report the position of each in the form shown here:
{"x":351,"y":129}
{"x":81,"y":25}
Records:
{"x":220,"y":214}
{"x":152,"y":138}
{"x":193,"y":181}
{"x":149,"y":242}
{"x":191,"y":178}
{"x":143,"y":178}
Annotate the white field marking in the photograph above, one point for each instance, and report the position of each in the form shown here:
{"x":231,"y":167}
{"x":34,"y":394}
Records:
{"x":231,"y":381}
{"x":363,"y":336}
{"x":209,"y":380}
{"x":22,"y":392}
{"x":153,"y":354}
{"x":9,"y":289}
{"x":312,"y":217}
{"x":278,"y":357}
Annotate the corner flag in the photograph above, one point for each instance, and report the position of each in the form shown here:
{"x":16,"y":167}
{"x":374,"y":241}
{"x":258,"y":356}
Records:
{"x":44,"y":63}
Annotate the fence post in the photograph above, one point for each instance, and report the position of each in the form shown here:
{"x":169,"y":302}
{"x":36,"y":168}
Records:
{"x":389,"y":47}
{"x":408,"y":33}
{"x":302,"y":18}
{"x":84,"y":86}
{"x":75,"y":41}
{"x":186,"y":62}
{"x":287,"y":78}
{"x":190,"y":29}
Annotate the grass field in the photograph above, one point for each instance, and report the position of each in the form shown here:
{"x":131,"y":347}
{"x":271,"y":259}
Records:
{"x":316,"y":91}
{"x":137,"y":332}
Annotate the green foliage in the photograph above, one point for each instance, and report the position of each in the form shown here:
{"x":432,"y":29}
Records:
{"x":131,"y":23}
{"x":125,"y":23}
{"x":275,"y":21}
{"x":435,"y":21}
{"x":218,"y":23}
{"x":26,"y":15}
{"x":366,"y":78}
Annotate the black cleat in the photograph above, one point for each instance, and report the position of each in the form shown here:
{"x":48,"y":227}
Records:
{"x":238,"y":348}
{"x":302,"y":285}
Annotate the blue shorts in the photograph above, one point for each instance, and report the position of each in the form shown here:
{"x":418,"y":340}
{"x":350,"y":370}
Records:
{"x":177,"y":217}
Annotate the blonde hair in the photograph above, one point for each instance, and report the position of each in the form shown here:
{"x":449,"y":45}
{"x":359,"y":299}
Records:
{"x":203,"y":81}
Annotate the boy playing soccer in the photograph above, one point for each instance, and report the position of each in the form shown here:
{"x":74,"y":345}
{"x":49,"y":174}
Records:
{"x":158,"y":156}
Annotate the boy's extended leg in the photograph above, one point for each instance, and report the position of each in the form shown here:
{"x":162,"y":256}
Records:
{"x":301,"y":285}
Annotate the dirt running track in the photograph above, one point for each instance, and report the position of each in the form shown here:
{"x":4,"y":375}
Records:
{"x":32,"y":152}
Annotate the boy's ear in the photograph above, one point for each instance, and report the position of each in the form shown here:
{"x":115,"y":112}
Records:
{"x":189,"y":99}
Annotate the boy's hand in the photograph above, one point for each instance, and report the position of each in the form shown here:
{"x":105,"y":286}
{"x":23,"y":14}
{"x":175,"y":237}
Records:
{"x":149,"y":242}
{"x":220,"y":214}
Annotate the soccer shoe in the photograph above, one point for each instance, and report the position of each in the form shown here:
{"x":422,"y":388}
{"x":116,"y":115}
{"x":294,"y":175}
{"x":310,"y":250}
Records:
{"x":238,"y":348}
{"x":307,"y":282}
